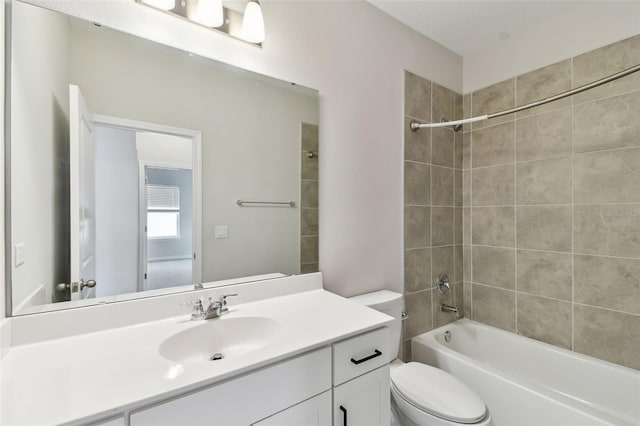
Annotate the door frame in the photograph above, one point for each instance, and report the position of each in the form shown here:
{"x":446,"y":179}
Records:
{"x":196,"y":176}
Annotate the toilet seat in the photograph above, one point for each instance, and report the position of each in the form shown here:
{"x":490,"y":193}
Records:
{"x":438,"y":393}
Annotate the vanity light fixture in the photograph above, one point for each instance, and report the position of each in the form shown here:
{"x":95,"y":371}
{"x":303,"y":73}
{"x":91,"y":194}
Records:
{"x":209,"y":13}
{"x":161,"y":4}
{"x":213,"y":14}
{"x":253,"y":23}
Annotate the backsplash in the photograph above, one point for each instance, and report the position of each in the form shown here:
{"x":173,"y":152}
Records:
{"x":432,"y":206}
{"x":552,"y":207}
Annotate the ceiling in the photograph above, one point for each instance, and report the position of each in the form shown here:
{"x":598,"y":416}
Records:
{"x":468,"y":26}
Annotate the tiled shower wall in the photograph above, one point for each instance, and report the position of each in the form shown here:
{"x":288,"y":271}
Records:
{"x":552,"y":208}
{"x":309,"y":199}
{"x":432,"y":206}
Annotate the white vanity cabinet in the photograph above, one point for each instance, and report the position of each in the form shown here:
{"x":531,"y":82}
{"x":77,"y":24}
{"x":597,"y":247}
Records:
{"x":361,"y":394}
{"x":247,"y":399}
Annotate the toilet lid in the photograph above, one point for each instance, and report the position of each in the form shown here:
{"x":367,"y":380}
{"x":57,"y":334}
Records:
{"x":437,"y":392}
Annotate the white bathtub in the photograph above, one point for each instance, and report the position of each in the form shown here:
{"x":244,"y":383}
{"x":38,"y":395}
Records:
{"x":526,"y":382}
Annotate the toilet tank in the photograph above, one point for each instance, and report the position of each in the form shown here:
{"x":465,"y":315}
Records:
{"x":390,"y":303}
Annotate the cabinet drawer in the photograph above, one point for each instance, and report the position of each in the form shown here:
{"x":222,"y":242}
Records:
{"x":360,"y":354}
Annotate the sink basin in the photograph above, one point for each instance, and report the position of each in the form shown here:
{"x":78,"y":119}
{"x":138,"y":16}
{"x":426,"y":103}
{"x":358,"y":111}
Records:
{"x":227,"y":336}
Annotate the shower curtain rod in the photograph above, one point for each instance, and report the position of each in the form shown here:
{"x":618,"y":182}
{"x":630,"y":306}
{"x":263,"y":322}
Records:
{"x":415,"y":126}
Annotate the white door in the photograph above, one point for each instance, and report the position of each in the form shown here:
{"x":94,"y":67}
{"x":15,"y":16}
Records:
{"x":312,"y":412}
{"x":82,"y":197}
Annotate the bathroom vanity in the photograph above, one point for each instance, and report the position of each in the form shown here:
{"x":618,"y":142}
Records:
{"x":304,"y":357}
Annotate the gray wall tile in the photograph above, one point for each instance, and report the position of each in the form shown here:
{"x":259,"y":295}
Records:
{"x":309,"y":268}
{"x":442,"y":226}
{"x":459,"y":150}
{"x":493,"y":226}
{"x":458,"y":263}
{"x":492,"y":99}
{"x":418,"y":307}
{"x":544,"y":181}
{"x":544,"y":273}
{"x":417,"y":227}
{"x":466,"y":299}
{"x":610,"y":229}
{"x":308,"y":249}
{"x":466,"y":111}
{"x":544,"y":227}
{"x":494,"y":306}
{"x":441,"y":186}
{"x":543,"y":319}
{"x":607,"y":123}
{"x":608,"y":282}
{"x":609,"y":335}
{"x":309,"y":137}
{"x":466,"y":150}
{"x":309,"y":166}
{"x":607,"y":177}
{"x":457,"y":188}
{"x":466,"y":260}
{"x":544,"y":136}
{"x":542,"y":83}
{"x":309,"y":221}
{"x":309,"y":193}
{"x":417,"y":145}
{"x":493,"y":186}
{"x":417,"y":96}
{"x":494,"y":266}
{"x":458,"y":291}
{"x":605,"y":61}
{"x":417,"y":270}
{"x":444,"y":103}
{"x":493,"y":145}
{"x":417,"y":183}
{"x":442,"y":146}
{"x":458,"y":224}
{"x":442,"y":263}
{"x":466,"y":225}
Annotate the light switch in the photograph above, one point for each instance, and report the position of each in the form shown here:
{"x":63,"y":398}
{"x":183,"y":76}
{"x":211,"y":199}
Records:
{"x":19,"y":254}
{"x":221,"y":231}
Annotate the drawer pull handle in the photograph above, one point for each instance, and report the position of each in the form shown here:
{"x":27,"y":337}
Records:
{"x":377,"y":353}
{"x":344,"y":415}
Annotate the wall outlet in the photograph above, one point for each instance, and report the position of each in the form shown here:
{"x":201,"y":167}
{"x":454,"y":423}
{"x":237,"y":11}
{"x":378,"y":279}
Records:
{"x":221,"y":232}
{"x":19,"y":250}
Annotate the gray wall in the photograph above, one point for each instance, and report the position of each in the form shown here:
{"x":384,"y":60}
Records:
{"x":309,"y":199}
{"x":174,"y":248}
{"x":552,"y":207}
{"x":432,"y":206}
{"x":117,"y":217}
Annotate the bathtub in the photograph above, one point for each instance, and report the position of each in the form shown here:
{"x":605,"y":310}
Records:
{"x":525,"y":382}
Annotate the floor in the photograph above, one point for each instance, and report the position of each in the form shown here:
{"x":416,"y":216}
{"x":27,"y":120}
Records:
{"x":168,"y":273}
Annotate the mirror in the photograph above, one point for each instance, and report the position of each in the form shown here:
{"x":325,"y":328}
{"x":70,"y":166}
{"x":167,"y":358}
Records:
{"x":138,"y":169}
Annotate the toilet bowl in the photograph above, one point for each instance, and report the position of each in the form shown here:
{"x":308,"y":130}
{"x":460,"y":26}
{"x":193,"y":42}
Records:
{"x":423,"y":395}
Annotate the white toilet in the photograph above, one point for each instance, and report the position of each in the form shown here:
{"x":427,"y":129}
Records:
{"x":423,"y":395}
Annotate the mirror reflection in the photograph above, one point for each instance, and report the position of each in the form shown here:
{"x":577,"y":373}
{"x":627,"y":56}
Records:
{"x":129,"y":159}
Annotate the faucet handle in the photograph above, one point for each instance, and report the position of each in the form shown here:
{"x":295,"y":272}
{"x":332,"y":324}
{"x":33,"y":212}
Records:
{"x":223,"y":301}
{"x":198,"y":310}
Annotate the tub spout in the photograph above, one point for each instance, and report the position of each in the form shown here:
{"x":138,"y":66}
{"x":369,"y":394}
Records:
{"x":450,"y":309}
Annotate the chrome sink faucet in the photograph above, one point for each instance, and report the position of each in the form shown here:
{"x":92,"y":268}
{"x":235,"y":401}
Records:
{"x":214,"y":310}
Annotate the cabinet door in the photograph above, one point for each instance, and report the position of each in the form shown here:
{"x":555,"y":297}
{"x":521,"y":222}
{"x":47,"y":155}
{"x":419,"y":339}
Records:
{"x":312,"y":412}
{"x":363,"y":401}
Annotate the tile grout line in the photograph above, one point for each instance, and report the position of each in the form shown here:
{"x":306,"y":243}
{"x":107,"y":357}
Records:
{"x":471,"y":208}
{"x":515,"y":209}
{"x":573,"y":279}
{"x":431,"y":208}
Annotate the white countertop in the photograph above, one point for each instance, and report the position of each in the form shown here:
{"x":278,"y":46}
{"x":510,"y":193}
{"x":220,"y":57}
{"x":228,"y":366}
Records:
{"x":91,"y":376}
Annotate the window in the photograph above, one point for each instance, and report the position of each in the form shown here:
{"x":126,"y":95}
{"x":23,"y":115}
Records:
{"x":163,"y":211}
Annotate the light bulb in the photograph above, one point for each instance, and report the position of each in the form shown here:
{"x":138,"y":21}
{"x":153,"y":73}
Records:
{"x":209,"y":13}
{"x":161,"y":4}
{"x":253,"y":23}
